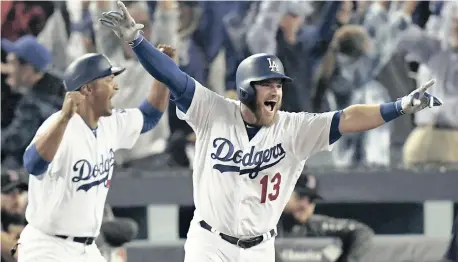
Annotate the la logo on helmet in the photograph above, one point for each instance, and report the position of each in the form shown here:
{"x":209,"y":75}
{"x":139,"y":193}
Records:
{"x":272,"y":65}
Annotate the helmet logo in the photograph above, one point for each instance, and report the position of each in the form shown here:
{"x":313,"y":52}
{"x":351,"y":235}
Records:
{"x":272,"y":65}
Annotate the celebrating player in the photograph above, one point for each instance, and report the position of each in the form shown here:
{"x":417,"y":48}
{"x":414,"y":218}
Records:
{"x":248,"y":154}
{"x":71,"y":161}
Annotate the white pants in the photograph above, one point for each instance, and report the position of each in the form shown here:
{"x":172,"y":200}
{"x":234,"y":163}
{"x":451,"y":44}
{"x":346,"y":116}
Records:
{"x":37,"y":246}
{"x":204,"y":246}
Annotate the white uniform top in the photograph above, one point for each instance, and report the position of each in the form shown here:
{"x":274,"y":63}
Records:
{"x":240,"y":186}
{"x":69,"y":198}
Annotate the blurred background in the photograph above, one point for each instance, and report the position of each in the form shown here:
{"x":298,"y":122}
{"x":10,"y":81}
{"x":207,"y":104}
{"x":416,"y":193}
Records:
{"x":389,"y":194}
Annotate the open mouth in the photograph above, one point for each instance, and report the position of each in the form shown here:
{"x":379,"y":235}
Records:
{"x":270,"y":105}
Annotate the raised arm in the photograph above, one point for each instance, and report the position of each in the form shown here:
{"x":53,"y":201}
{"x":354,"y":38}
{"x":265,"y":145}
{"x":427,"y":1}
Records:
{"x":416,"y":43}
{"x":358,"y":118}
{"x":44,"y":146}
{"x":158,"y":64}
{"x":324,"y":28}
{"x":157,"y":99}
{"x":261,"y":36}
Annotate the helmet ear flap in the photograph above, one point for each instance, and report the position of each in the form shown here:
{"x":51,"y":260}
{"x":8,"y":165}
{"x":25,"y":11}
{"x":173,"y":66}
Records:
{"x":247,"y":93}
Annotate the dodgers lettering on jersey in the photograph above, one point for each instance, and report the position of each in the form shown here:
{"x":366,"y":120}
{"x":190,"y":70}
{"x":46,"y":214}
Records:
{"x":250,"y":163}
{"x":241,"y":186}
{"x":100,"y":172}
{"x":69,"y":198}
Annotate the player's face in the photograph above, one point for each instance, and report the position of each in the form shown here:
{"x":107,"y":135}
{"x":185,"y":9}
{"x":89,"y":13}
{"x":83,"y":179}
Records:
{"x":104,"y":89}
{"x":11,"y":202}
{"x":302,"y":207}
{"x":17,"y":73}
{"x":268,"y":100}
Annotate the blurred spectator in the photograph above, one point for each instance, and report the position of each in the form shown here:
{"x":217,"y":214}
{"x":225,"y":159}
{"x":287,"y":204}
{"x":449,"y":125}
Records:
{"x":19,"y":18}
{"x":13,"y":207}
{"x":386,"y":21}
{"x":55,"y":37}
{"x":279,"y":29}
{"x":42,"y":93}
{"x":347,"y":77}
{"x":114,"y":233}
{"x":385,"y":25}
{"x":202,"y":36}
{"x":236,"y":26}
{"x":435,"y":139}
{"x":136,"y":82}
{"x":192,"y":60}
{"x":24,"y":17}
{"x":299,"y":220}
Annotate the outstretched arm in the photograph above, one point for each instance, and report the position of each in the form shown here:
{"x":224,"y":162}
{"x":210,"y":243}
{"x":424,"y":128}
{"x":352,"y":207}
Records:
{"x":157,"y":100}
{"x":158,"y":64}
{"x":358,"y":118}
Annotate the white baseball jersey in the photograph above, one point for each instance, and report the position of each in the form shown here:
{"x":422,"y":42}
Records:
{"x":69,"y":198}
{"x":241,"y":186}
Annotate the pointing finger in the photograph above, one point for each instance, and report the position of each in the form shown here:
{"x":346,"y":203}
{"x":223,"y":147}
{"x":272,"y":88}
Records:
{"x":427,"y":85}
{"x":123,"y":8}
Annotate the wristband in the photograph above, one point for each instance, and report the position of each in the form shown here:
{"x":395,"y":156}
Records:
{"x":390,"y":111}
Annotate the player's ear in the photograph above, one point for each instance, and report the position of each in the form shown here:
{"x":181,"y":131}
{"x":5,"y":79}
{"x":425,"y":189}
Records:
{"x":86,"y":89}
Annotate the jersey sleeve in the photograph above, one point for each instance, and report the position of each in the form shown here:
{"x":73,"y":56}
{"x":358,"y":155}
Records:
{"x":202,"y":105}
{"x":128,"y":125}
{"x":58,"y":161}
{"x":311,"y":133}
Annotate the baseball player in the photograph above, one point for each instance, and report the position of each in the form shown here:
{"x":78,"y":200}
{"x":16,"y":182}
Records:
{"x":71,"y":161}
{"x":248,"y":154}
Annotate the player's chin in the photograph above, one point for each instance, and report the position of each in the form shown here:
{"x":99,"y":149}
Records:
{"x":268,"y":117}
{"x":108,"y":111}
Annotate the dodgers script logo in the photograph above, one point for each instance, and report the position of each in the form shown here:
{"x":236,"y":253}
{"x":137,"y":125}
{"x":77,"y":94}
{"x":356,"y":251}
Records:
{"x":100,"y":172}
{"x":253,"y":161}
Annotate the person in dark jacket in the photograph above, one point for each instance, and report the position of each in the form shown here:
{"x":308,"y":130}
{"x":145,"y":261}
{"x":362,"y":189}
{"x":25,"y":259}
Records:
{"x":452,"y":251}
{"x":299,"y":220}
{"x":42,"y":95}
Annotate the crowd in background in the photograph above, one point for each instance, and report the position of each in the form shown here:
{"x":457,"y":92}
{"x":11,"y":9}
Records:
{"x":339,"y":53}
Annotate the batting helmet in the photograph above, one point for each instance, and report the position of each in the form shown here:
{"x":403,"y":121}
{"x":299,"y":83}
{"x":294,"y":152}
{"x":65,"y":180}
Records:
{"x":87,"y":68}
{"x":256,"y":68}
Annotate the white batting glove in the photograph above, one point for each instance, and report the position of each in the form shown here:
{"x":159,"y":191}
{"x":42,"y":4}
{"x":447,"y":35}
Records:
{"x":419,"y":99}
{"x":122,"y":23}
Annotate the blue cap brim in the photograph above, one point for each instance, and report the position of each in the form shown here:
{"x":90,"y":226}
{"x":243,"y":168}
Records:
{"x":8,"y":46}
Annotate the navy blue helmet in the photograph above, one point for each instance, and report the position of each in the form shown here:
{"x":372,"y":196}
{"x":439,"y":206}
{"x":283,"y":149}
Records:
{"x":256,"y":68}
{"x":87,"y":68}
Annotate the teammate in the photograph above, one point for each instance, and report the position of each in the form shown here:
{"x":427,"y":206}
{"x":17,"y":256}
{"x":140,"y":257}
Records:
{"x":248,"y":154}
{"x":71,"y":161}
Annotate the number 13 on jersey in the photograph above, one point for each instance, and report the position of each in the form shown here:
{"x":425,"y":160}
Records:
{"x":266,"y":184}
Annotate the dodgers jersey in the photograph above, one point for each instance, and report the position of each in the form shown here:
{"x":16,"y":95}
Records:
{"x":69,"y":198}
{"x":241,"y":186}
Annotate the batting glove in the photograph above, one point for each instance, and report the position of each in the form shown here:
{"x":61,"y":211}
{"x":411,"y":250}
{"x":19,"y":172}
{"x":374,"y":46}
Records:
{"x":419,"y":99}
{"x":122,"y":23}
